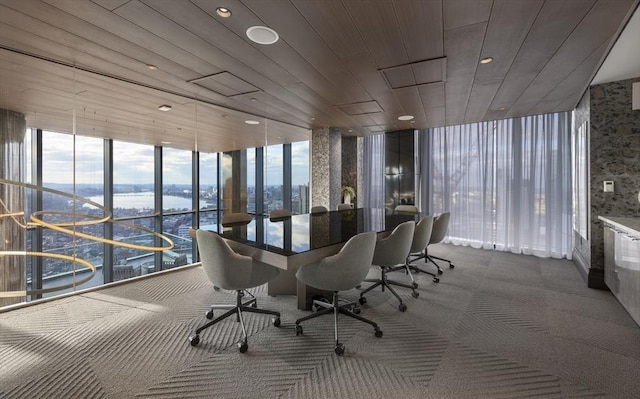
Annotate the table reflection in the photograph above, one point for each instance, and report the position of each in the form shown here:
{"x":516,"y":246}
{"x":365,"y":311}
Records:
{"x":302,"y":233}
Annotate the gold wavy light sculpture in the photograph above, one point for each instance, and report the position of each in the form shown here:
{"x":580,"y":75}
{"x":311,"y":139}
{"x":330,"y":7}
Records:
{"x":37,"y":220}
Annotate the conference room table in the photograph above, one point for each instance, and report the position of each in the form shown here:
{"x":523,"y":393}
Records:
{"x":291,"y":242}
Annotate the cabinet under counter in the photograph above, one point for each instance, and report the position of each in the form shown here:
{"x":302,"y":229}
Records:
{"x":622,"y":261}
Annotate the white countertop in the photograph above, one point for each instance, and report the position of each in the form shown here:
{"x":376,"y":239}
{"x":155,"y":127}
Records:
{"x":628,"y":224}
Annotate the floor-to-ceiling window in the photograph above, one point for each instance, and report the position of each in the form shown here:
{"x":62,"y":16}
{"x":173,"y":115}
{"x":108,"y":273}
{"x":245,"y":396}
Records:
{"x":300,"y":177}
{"x":506,"y":183}
{"x":273,"y":178}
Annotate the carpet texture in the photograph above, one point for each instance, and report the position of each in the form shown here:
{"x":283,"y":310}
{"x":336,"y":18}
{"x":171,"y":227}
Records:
{"x":499,"y":325}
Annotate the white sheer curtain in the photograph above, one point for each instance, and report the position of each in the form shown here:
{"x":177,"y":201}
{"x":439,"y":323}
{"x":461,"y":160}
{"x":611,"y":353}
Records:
{"x":506,"y":183}
{"x":373,"y":174}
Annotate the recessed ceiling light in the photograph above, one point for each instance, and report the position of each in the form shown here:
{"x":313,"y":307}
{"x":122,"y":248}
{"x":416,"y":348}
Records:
{"x":313,"y":119}
{"x":251,"y":122}
{"x":151,"y":67}
{"x":223,"y":12}
{"x":165,"y":142}
{"x":501,"y":108}
{"x":412,"y":122}
{"x":262,"y":35}
{"x":405,"y":117}
{"x":165,"y":108}
{"x":486,"y":60}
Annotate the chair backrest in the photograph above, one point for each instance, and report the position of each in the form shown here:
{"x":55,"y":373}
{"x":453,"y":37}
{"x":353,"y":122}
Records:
{"x":344,"y":207}
{"x":407,"y":209}
{"x":223,"y":267}
{"x":279,"y":214}
{"x":422,"y":234}
{"x":319,"y":209}
{"x":235,"y":218}
{"x":349,"y":267}
{"x":394,"y":249}
{"x":440,"y":226}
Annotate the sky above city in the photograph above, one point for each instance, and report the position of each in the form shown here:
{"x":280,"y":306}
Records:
{"x":133,"y":163}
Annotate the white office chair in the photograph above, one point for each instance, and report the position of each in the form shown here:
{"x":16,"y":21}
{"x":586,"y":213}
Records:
{"x":440,"y":227}
{"x":390,"y":252}
{"x":318,"y":209}
{"x":421,"y":237}
{"x":231,"y":271}
{"x":340,"y":272}
{"x":279,"y":214}
{"x":345,"y":207}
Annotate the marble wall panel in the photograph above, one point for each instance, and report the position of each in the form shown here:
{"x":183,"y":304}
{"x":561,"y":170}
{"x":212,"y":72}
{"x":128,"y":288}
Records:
{"x":614,"y":155}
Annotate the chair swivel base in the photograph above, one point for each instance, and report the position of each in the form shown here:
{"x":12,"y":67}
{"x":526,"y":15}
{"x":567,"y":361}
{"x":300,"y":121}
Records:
{"x":336,"y":308}
{"x":386,"y":283}
{"x":249,"y":306}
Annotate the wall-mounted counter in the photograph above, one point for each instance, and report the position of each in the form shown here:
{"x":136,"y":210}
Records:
{"x":622,"y":261}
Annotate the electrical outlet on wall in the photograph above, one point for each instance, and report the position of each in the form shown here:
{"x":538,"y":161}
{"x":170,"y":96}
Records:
{"x":608,"y":186}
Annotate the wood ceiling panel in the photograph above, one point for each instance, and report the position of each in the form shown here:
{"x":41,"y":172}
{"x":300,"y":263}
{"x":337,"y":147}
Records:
{"x":409,"y":99}
{"x":580,"y":45}
{"x":459,"y":13}
{"x":462,"y":46}
{"x":555,"y":22}
{"x":305,"y":41}
{"x":332,"y":22}
{"x":432,"y":95}
{"x":379,"y":28}
{"x":508,"y":27}
{"x":478,"y":104}
{"x":226,"y":84}
{"x":429,"y":13}
{"x":436,"y":116}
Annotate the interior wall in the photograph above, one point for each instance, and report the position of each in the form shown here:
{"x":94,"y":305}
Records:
{"x":614,"y":155}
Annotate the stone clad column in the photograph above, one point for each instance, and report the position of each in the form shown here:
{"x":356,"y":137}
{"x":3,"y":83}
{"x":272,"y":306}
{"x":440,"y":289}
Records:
{"x":326,"y":167}
{"x":12,"y":236}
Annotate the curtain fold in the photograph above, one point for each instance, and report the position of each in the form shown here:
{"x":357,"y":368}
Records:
{"x":373,"y":174}
{"x":506,"y":183}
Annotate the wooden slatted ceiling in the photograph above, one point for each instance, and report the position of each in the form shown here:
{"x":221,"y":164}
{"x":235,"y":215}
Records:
{"x":330,"y":54}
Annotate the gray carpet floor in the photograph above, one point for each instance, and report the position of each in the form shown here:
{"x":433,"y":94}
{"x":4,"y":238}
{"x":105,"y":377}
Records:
{"x":499,"y":325}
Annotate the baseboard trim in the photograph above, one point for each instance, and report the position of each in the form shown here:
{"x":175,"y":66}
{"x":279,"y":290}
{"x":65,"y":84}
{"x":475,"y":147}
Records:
{"x":581,"y":265}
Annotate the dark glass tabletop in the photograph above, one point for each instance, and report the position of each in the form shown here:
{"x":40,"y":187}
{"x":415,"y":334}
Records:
{"x":301,"y":233}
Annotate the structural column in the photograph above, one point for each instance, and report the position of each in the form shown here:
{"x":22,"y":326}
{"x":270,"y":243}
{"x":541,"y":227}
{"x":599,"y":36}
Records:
{"x":12,"y":236}
{"x":326,"y":167}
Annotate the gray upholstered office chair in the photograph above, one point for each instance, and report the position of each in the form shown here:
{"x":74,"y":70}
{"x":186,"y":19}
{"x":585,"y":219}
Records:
{"x":318,"y":209}
{"x":340,"y":272}
{"x":407,"y":209}
{"x":390,"y":252}
{"x":279,"y":214}
{"x":231,"y":271}
{"x":233,"y":219}
{"x":421,"y":237}
{"x":440,"y":226}
{"x":345,"y":207}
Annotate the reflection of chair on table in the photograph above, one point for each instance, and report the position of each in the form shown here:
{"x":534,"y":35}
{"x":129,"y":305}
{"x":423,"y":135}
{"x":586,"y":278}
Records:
{"x":390,"y":252}
{"x":318,"y":209}
{"x":345,"y":207}
{"x":340,"y":272}
{"x":234,"y":219}
{"x":231,"y":271}
{"x":279,"y":214}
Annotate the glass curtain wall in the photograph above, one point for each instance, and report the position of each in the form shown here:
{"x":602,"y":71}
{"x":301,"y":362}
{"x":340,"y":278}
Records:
{"x":506,"y":183}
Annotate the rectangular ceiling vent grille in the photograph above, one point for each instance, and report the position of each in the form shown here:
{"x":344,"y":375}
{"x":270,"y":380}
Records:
{"x":416,"y":73}
{"x":366,"y":107}
{"x":226,"y":84}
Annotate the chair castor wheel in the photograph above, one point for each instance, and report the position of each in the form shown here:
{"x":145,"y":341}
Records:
{"x":436,"y":280}
{"x":378,"y":333}
{"x":298,"y":329}
{"x":194,"y":340}
{"x":339,"y":349}
{"x":451,"y":265}
{"x":402,"y":307}
{"x":362,"y":300}
{"x":356,"y":310}
{"x":243,"y":346}
{"x":439,"y":271}
{"x":415,"y":294}
{"x":358,"y":286}
{"x":414,"y":285}
{"x":276,"y":322}
{"x":209,"y":315}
